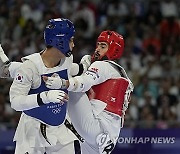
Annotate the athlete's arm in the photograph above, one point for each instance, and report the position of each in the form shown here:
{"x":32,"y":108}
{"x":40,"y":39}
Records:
{"x":7,"y":69}
{"x":97,"y":73}
{"x":19,"y":98}
{"x":19,"y":91}
{"x":78,"y":69}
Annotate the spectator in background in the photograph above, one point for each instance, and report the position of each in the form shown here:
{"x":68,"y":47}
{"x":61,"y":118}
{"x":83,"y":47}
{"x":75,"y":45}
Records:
{"x":152,"y":42}
{"x":165,"y":98}
{"x":169,"y":26}
{"x":117,"y":8}
{"x":84,"y":20}
{"x":152,"y":67}
{"x":168,"y":8}
{"x":146,"y":85}
{"x":167,"y":104}
{"x":68,"y":7}
{"x":32,"y":11}
{"x":153,"y":14}
{"x":146,"y":118}
{"x":117,"y":11}
{"x":147,"y":101}
{"x":167,"y":118}
{"x":167,"y":70}
{"x":169,"y":31}
{"x":4,"y":116}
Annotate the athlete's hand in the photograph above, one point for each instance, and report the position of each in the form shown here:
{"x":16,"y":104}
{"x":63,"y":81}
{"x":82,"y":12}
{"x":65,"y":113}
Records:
{"x":86,"y":61}
{"x":55,"y":82}
{"x":55,"y":96}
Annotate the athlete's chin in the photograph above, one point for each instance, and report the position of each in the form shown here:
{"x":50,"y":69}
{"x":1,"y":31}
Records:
{"x":95,"y":57}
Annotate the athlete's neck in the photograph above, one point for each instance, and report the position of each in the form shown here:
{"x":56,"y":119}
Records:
{"x":51,"y":57}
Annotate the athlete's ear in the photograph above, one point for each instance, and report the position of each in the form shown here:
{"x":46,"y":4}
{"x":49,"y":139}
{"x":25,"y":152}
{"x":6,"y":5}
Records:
{"x":45,"y":78}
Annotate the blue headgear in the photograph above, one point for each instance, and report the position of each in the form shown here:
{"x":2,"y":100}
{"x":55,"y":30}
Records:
{"x":58,"y":33}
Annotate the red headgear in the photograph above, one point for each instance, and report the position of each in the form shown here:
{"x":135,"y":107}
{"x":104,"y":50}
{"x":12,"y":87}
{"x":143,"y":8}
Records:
{"x":115,"y":42}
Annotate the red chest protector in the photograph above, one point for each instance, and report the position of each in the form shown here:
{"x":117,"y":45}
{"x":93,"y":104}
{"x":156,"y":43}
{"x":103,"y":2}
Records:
{"x":115,"y":93}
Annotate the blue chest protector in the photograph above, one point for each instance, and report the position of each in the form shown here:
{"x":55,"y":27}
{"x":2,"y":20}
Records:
{"x":52,"y":113}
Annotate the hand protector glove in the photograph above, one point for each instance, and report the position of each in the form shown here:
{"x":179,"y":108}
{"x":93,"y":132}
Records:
{"x":55,"y":82}
{"x":55,"y":96}
{"x":86,"y":61}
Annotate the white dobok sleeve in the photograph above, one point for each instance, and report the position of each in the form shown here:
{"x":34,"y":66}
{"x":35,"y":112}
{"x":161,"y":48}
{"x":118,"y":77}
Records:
{"x":19,"y":98}
{"x":74,"y":70}
{"x":97,"y":73}
{"x":13,"y":68}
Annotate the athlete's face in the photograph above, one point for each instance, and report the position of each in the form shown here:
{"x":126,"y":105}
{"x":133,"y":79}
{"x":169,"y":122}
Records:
{"x":101,"y":49}
{"x":71,"y":43}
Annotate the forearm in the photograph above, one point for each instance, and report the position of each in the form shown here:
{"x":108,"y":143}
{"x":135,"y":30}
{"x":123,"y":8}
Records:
{"x":78,"y":69}
{"x":74,"y":69}
{"x":22,"y":103}
{"x":79,"y":84}
{"x":95,"y":75}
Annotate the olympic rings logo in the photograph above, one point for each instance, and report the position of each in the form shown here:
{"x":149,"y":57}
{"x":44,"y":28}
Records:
{"x":56,"y":111}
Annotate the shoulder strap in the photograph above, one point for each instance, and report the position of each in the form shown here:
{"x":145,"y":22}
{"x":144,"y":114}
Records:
{"x":122,"y":72}
{"x":120,"y":69}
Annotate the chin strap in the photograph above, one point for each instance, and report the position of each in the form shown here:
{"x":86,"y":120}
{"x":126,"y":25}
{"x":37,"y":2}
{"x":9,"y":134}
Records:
{"x":68,"y":54}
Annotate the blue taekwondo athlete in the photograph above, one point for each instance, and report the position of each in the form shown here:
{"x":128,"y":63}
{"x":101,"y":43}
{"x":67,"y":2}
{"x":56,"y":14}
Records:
{"x":41,"y":128}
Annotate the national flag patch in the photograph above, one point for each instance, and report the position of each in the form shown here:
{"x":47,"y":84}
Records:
{"x":19,"y":78}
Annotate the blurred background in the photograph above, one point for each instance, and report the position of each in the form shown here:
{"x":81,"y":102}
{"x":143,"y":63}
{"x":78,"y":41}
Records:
{"x":151,"y":29}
